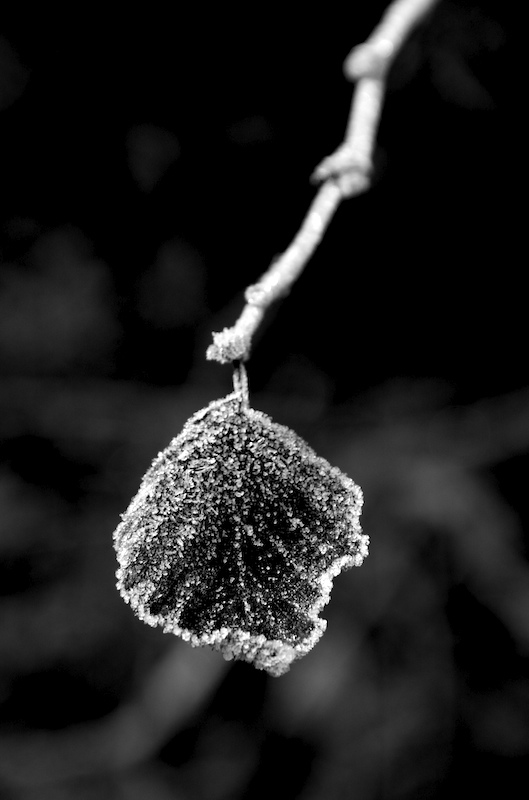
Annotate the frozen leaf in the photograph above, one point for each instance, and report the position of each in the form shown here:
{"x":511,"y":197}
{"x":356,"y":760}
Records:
{"x":235,"y":536}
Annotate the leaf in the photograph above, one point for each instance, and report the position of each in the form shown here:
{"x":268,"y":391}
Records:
{"x":235,"y":536}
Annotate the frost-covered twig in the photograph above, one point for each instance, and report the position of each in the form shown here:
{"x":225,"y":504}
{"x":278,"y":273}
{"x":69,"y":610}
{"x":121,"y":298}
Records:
{"x":233,"y":344}
{"x":345,"y":173}
{"x":368,"y":63}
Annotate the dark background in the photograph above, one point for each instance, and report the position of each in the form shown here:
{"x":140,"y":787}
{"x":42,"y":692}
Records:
{"x":152,"y":165}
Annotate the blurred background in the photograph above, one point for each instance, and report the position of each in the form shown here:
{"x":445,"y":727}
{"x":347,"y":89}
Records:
{"x":152,"y":166}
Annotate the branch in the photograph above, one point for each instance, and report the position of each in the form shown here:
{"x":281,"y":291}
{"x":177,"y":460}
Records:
{"x":345,"y":173}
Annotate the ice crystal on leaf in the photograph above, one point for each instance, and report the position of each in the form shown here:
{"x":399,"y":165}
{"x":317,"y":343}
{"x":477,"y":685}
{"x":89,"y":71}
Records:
{"x":235,"y":536}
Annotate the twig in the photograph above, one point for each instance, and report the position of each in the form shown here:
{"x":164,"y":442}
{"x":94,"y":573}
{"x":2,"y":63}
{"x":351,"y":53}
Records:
{"x":233,"y":344}
{"x":345,"y":173}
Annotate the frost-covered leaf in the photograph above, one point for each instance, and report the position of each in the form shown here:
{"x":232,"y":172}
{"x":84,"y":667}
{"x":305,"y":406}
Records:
{"x":235,"y":536}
